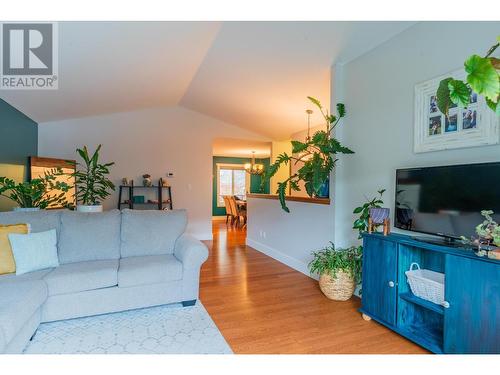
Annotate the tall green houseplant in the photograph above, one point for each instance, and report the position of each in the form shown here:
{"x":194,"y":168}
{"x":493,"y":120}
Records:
{"x":91,"y":178}
{"x":314,"y":155}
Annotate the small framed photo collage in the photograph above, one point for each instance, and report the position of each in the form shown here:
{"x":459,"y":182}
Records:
{"x":459,"y":119}
{"x":473,"y":126}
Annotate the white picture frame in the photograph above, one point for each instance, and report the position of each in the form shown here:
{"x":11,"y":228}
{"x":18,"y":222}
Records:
{"x":476,"y":125}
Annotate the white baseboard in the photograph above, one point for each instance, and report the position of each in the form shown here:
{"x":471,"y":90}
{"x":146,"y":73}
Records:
{"x":280,"y":257}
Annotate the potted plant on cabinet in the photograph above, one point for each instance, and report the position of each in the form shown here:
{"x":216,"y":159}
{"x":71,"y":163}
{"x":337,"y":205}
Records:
{"x":339,"y":271}
{"x":39,"y":193}
{"x":314,"y":155}
{"x":92,"y":183}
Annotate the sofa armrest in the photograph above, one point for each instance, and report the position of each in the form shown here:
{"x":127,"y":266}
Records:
{"x":190,"y":251}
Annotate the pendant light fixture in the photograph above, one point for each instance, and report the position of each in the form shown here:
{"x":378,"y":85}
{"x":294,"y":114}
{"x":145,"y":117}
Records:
{"x":254,"y":168}
{"x":309,"y":113}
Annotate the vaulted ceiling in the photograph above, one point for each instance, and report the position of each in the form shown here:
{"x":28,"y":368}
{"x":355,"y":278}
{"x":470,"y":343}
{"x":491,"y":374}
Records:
{"x":255,"y":75}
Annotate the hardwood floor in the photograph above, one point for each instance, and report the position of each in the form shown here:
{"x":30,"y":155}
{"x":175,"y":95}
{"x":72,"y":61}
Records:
{"x":262,"y":306}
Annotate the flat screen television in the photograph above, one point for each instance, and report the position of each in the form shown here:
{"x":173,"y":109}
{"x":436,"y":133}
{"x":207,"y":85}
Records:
{"x":446,"y":201}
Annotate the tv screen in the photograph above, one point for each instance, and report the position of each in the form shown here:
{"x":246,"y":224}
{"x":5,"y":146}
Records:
{"x":447,"y":200}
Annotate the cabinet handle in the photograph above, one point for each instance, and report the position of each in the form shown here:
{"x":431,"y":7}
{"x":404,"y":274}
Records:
{"x":391,"y":284}
{"x":446,"y":304}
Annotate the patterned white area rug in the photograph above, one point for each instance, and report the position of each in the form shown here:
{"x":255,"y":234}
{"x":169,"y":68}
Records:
{"x":169,"y":329}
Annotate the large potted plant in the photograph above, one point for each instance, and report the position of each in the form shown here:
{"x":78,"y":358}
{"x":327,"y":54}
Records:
{"x":339,"y":271}
{"x":315,"y":156}
{"x":39,"y":193}
{"x":92,"y":183}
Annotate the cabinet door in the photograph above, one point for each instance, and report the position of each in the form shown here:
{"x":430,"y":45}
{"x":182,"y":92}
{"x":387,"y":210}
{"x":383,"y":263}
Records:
{"x":472,"y":320}
{"x":379,"y":279}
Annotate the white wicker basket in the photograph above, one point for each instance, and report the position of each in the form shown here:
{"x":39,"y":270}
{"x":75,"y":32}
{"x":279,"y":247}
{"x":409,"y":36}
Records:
{"x":426,"y":284}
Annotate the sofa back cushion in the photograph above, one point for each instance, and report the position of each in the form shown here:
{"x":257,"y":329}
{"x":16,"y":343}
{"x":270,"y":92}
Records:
{"x":149,"y":232}
{"x":39,"y":221}
{"x":89,"y":236}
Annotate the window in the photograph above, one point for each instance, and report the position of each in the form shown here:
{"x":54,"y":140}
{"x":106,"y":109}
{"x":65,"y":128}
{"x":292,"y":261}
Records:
{"x":231,"y":180}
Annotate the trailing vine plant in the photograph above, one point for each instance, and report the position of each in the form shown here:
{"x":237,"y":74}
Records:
{"x":482,"y":78}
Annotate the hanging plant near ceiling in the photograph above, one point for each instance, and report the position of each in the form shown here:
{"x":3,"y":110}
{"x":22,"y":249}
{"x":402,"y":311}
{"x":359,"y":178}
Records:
{"x":482,"y":78}
{"x":316,"y":156}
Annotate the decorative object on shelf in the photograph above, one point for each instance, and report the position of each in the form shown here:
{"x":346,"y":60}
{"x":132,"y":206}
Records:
{"x":92,"y":183}
{"x":146,"y":180}
{"x":138,"y":199}
{"x":339,"y":270}
{"x":483,"y":78}
{"x":253,"y":167}
{"x":489,"y":229}
{"x":494,"y":254}
{"x":163,"y":183}
{"x":315,"y":156}
{"x":379,"y":216}
{"x":488,"y":235}
{"x":126,"y":181}
{"x":426,"y":284}
{"x":39,"y":193}
{"x":161,"y":202}
{"x":474,"y":125}
{"x":362,"y":223}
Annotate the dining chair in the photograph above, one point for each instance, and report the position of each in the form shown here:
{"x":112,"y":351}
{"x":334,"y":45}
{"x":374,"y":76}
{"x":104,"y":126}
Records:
{"x":227,"y":205}
{"x":237,"y":211}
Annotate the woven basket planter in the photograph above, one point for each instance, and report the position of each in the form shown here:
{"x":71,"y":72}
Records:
{"x":339,"y":288}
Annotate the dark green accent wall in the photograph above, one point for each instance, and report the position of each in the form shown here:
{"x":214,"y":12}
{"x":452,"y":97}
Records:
{"x":255,"y":181}
{"x":18,"y":136}
{"x":18,"y":140}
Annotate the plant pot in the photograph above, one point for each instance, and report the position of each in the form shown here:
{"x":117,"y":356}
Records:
{"x":324,"y":190}
{"x":26,"y":209}
{"x":92,"y":208}
{"x":340,"y":288}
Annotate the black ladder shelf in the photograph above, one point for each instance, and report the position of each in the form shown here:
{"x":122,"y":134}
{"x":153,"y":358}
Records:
{"x":159,"y":195}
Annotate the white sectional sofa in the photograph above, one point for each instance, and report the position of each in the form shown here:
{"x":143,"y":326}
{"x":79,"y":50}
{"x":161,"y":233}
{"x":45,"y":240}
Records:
{"x":109,"y":262}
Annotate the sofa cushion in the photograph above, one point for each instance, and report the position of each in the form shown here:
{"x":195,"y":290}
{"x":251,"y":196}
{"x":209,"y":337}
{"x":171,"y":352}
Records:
{"x":19,"y":301}
{"x":150,"y":269}
{"x":82,"y":276}
{"x":7,"y":263}
{"x":34,"y":251}
{"x":148,"y":232}
{"x":39,"y":221}
{"x":89,"y":236}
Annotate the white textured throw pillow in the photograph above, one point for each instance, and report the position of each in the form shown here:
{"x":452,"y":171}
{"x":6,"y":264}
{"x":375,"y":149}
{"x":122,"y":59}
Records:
{"x":34,"y":251}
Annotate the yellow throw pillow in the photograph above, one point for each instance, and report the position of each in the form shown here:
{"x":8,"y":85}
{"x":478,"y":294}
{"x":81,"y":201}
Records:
{"x":7,"y":263}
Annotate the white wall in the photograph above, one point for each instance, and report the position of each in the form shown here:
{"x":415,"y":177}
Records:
{"x":292,"y":237}
{"x":378,"y":94}
{"x":278,"y":148}
{"x":154,"y":141}
{"x":289,"y":237}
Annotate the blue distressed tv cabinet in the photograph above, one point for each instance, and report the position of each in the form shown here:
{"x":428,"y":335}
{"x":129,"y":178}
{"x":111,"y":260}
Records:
{"x":469,"y":321}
